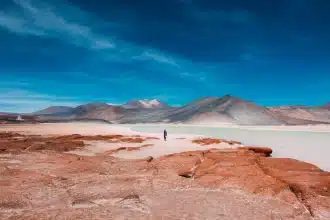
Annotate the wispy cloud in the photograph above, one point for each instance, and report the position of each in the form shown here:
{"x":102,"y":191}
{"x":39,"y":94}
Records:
{"x":18,"y":25}
{"x":69,"y":24}
{"x":146,"y":55}
{"x":41,"y":19}
{"x":200,"y":76}
{"x":10,"y":84}
{"x":28,"y":101}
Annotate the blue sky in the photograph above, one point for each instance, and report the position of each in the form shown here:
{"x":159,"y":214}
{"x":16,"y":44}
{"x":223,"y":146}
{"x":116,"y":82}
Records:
{"x":57,"y":52}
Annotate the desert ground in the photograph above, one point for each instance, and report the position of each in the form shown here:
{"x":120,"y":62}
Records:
{"x":157,"y":147}
{"x":306,"y":143}
{"x":100,"y":171}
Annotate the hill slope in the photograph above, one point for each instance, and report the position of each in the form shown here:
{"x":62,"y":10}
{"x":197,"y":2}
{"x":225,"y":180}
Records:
{"x":227,"y":109}
{"x":306,"y":115}
{"x":53,"y":110}
{"x":209,"y":110}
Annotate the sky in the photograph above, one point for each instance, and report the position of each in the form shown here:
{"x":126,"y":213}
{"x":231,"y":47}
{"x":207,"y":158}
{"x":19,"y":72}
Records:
{"x":70,"y":52}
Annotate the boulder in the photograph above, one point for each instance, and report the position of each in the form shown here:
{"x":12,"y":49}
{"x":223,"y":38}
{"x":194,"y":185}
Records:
{"x":265,"y":151}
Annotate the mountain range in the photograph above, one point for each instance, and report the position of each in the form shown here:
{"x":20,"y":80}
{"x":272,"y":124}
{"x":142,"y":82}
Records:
{"x":209,"y":110}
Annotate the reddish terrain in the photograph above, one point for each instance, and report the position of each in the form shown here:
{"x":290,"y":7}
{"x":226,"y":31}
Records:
{"x":209,"y":141}
{"x":15,"y":142}
{"x":40,"y":181}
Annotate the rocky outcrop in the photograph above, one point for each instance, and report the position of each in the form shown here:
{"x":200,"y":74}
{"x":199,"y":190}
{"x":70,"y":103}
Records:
{"x":21,"y":143}
{"x":209,"y":141}
{"x":209,"y":184}
{"x":265,"y":151}
{"x":286,"y":179}
{"x":15,"y":142}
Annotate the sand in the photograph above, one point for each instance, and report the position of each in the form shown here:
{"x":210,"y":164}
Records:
{"x":306,"y":143}
{"x":67,"y":128}
{"x":175,"y":143}
{"x":310,"y":128}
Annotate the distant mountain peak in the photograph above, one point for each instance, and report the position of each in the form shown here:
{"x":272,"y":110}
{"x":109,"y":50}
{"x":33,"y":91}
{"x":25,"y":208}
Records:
{"x":95,"y":104}
{"x":326,"y":106}
{"x":225,"y":98}
{"x":146,"y":104}
{"x":83,"y":109}
{"x":228,"y":96}
{"x":54,"y":110}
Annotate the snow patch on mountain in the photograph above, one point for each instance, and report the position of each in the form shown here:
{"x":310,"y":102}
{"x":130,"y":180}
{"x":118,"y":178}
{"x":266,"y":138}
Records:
{"x":147,"y":104}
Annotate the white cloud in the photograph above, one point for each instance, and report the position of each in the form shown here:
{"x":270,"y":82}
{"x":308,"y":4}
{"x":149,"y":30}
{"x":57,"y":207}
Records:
{"x":29,"y":107}
{"x":72,"y":25}
{"x":4,"y":84}
{"x":37,"y":18}
{"x":103,"y":44}
{"x":18,"y":25}
{"x":158,"y":57}
{"x":17,"y":93}
{"x":12,"y":94}
{"x":27,"y":101}
{"x":38,"y":102}
{"x":40,"y":19}
{"x":196,"y":76}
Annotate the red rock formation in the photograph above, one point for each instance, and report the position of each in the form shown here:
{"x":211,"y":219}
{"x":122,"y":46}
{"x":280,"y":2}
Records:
{"x":110,"y":138}
{"x":266,"y":151}
{"x":228,"y":183}
{"x":209,"y":141}
{"x":14,"y":142}
{"x":152,"y":138}
{"x":264,"y":176}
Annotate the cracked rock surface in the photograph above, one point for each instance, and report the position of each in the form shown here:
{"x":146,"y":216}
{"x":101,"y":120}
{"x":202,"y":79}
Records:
{"x":46,"y":183}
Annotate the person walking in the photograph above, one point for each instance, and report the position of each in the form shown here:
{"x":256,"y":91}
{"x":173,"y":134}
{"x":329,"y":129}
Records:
{"x":165,"y":135}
